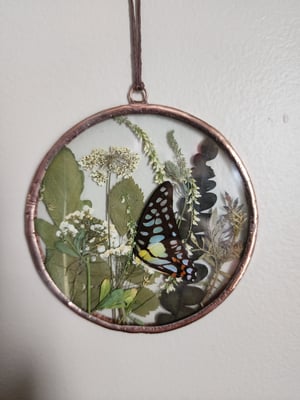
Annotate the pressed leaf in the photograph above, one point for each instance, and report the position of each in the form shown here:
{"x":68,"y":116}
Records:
{"x":62,"y":188}
{"x":209,"y":149}
{"x":171,"y":301}
{"x":129,"y":296}
{"x":70,"y":276}
{"x":202,"y":271}
{"x":46,"y":231}
{"x":64,"y":248}
{"x":87,"y":203}
{"x":63,"y":184}
{"x":57,"y":265}
{"x":77,"y":275}
{"x":166,"y":318}
{"x":135,"y":274}
{"x":118,"y":298}
{"x":105,"y":289}
{"x":144,"y":302}
{"x":202,"y":174}
{"x":125,"y":204}
{"x":192,"y":296}
{"x":113,"y":300}
{"x":207,"y":201}
{"x":184,"y":301}
{"x":78,"y":241}
{"x":208,"y":185}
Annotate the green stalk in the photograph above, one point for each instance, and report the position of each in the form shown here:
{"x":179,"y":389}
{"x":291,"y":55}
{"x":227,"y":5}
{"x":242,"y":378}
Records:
{"x":88,"y":283}
{"x":112,"y":277}
{"x":66,"y":280}
{"x":107,"y":208}
{"x":179,"y":221}
{"x":108,"y":227}
{"x":180,"y":218}
{"x":212,"y":284}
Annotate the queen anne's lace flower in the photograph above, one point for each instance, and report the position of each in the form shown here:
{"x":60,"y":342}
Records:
{"x":118,"y":160}
{"x":88,"y":232}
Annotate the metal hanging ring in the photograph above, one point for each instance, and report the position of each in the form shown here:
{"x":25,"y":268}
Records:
{"x":137,"y":95}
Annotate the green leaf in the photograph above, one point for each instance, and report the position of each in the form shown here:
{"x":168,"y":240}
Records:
{"x":77,"y":276}
{"x":64,"y":248}
{"x":136,"y":274}
{"x":129,"y":296}
{"x":87,"y":203}
{"x":105,"y":289}
{"x":46,"y":231}
{"x":63,"y":184}
{"x":118,"y":298}
{"x":144,"y":302}
{"x":57,"y":264}
{"x":125,"y":204}
{"x":70,"y":276}
{"x":78,"y":240}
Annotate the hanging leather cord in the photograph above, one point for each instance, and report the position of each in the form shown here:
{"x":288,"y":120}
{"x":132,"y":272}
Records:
{"x":137,"y":92}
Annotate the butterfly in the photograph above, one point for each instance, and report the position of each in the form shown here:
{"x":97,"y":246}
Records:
{"x":157,"y":242}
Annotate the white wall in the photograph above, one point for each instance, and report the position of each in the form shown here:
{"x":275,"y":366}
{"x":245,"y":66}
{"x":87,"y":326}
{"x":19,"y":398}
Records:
{"x":235,"y":64}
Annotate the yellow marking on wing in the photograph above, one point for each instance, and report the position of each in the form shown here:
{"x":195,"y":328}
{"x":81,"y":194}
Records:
{"x":154,"y":250}
{"x":158,"y":250}
{"x":145,"y":255}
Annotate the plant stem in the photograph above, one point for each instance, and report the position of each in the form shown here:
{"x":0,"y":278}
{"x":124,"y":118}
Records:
{"x":110,"y":263}
{"x":179,"y":221}
{"x":66,"y":279}
{"x":108,"y":228}
{"x":212,"y":283}
{"x":107,"y":208}
{"x":88,"y":284}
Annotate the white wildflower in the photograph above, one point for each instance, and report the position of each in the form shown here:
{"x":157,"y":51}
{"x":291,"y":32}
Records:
{"x":170,"y":284}
{"x":101,"y":249}
{"x":120,"y":161}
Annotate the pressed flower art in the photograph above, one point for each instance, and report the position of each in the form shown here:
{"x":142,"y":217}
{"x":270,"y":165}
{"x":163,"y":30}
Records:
{"x":143,"y":221}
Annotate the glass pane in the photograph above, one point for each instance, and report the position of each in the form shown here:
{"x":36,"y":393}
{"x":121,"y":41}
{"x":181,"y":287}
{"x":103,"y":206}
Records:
{"x":144,"y":220}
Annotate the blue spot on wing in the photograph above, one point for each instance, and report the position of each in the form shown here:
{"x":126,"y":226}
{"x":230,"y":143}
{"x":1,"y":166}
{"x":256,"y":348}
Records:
{"x":150,"y":223}
{"x":159,"y":261}
{"x":157,"y":238}
{"x":171,"y":268}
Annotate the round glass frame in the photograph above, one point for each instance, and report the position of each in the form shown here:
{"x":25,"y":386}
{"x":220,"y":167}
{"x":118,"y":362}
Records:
{"x":37,"y":247}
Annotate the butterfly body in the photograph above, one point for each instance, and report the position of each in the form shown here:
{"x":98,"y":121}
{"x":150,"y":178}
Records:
{"x":158,"y":243}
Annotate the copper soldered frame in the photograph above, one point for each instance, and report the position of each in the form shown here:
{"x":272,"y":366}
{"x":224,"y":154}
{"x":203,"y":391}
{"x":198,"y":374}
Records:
{"x":139,"y":108}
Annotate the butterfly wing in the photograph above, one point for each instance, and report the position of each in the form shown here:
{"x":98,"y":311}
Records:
{"x":158,"y":243}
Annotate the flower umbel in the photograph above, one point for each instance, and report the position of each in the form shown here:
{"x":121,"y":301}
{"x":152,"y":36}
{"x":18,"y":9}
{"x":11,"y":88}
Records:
{"x":83,"y":232}
{"x":118,"y":160}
